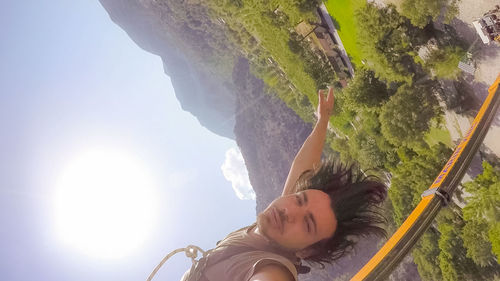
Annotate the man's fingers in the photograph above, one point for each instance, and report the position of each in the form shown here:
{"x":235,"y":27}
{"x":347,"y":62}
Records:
{"x":321,"y":97}
{"x":330,"y":97}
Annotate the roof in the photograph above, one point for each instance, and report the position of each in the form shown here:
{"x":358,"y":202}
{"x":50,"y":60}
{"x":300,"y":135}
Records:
{"x":479,"y":31}
{"x":467,"y":67}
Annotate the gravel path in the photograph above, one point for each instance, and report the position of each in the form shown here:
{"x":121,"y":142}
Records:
{"x":487,"y":56}
{"x":487,"y":59}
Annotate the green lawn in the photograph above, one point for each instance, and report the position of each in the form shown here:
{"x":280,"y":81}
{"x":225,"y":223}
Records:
{"x":342,"y":12}
{"x":437,"y":135}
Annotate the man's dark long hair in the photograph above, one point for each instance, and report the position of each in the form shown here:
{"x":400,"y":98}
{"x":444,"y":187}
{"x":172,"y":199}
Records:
{"x":355,"y":200}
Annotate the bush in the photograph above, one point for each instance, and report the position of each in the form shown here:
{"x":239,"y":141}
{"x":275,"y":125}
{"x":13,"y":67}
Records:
{"x":443,"y":63}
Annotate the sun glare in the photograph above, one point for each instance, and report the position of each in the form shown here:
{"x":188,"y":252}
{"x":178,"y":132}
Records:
{"x":105,"y":204}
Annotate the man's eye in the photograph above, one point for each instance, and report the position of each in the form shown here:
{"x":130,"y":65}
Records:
{"x":299,"y":200}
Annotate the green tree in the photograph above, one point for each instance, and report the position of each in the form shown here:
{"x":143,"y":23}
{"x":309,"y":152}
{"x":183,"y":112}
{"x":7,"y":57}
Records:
{"x":453,"y":260}
{"x":425,"y":255}
{"x":407,"y":115}
{"x":475,"y":236}
{"x":365,"y":91}
{"x":483,"y":207}
{"x":307,"y":5}
{"x":341,"y":145}
{"x":421,"y":12}
{"x":494,"y":235}
{"x":387,"y":39}
{"x":277,"y":18}
{"x":343,"y":116}
{"x":443,"y":63}
{"x":295,"y":46}
{"x":365,"y":150}
{"x":236,"y":3}
{"x":411,"y":177}
{"x":488,"y":177}
{"x":368,"y":145}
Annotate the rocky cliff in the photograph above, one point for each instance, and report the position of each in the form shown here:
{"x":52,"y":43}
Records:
{"x":202,"y":94}
{"x":268,"y":133}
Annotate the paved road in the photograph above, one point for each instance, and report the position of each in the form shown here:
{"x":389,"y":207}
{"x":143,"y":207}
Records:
{"x":487,"y":59}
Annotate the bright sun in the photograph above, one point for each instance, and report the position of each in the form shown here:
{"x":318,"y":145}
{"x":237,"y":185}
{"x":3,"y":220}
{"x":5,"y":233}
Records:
{"x":105,"y":204}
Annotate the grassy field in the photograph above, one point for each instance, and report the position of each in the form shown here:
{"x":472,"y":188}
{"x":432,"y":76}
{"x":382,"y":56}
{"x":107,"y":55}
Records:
{"x":437,"y":135}
{"x":342,"y":11}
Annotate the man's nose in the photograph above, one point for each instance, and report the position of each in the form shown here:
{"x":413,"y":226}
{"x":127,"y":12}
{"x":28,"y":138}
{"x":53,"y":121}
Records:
{"x":291,"y":214}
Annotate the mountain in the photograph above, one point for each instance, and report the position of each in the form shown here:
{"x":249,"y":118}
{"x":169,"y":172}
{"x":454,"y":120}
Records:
{"x":213,"y":81}
{"x":198,"y":92}
{"x":267,"y":132}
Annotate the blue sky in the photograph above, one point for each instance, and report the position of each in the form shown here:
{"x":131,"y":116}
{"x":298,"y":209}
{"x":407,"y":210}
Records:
{"x":70,"y":80}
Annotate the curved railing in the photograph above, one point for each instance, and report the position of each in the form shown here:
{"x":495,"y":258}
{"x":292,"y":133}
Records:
{"x":437,"y":196}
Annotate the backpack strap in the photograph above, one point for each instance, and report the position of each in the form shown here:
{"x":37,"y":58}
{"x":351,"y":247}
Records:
{"x":215,"y":256}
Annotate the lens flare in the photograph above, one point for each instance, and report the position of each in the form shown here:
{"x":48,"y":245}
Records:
{"x":105,"y":204}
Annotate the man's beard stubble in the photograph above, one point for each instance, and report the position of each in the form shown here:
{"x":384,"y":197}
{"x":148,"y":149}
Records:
{"x":263,"y":225}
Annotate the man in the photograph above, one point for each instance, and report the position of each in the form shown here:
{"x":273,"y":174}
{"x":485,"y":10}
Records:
{"x":323,"y":207}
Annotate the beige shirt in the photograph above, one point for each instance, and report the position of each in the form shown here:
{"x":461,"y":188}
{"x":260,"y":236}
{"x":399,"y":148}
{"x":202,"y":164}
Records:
{"x":242,"y":266}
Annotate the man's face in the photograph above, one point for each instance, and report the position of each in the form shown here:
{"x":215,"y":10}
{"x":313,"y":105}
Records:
{"x":298,"y":220}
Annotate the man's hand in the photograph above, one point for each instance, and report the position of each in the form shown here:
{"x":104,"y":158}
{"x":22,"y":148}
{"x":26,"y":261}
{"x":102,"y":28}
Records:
{"x":309,"y":155}
{"x":325,"y":105}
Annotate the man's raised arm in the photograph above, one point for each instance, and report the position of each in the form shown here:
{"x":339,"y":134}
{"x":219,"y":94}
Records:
{"x":309,"y":155}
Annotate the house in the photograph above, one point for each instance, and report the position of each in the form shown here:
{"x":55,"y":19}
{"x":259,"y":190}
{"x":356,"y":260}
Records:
{"x":321,"y":39}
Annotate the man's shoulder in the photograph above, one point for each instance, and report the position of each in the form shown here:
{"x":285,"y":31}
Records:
{"x":272,"y":272}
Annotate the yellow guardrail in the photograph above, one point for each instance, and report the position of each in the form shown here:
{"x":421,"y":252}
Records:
{"x":438,"y":194}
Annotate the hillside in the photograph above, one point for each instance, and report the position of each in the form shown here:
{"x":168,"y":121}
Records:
{"x":200,"y":92}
